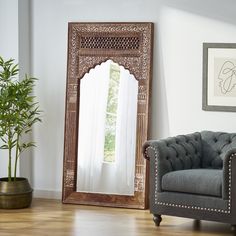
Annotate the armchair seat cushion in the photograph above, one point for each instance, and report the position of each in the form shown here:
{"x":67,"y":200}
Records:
{"x":194,"y":181}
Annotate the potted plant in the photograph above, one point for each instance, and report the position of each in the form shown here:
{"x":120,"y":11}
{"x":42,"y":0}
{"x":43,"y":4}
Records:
{"x":18,"y":113}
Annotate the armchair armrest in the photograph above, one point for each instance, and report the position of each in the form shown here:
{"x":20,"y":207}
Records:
{"x":228,"y":168}
{"x":171,"y":154}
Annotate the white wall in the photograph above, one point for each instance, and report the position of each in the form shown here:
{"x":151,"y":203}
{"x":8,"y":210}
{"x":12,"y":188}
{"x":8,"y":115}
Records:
{"x":9,"y":29}
{"x":181,"y":36}
{"x":181,"y":26}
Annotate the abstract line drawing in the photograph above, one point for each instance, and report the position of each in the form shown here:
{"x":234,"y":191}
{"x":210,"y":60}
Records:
{"x":227,"y":77}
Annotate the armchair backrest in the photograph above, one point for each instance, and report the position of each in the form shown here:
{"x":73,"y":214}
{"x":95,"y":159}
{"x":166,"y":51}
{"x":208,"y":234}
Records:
{"x":214,"y":147}
{"x":181,"y":152}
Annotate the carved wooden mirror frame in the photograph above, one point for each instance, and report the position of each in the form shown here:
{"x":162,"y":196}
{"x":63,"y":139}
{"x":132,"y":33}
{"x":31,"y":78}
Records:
{"x":90,"y":44}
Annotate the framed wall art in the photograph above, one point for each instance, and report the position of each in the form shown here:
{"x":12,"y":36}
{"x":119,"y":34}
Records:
{"x":219,"y":77}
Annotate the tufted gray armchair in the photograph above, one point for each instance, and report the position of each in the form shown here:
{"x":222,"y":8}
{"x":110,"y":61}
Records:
{"x":193,"y":176}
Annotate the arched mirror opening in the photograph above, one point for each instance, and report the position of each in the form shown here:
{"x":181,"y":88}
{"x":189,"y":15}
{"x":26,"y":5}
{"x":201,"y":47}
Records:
{"x":107,"y":114}
{"x":107,"y":130}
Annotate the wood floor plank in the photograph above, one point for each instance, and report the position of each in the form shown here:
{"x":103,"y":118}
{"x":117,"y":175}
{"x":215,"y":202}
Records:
{"x":51,"y":217}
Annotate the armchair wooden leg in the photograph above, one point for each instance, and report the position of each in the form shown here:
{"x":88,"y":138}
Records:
{"x":196,"y":224}
{"x":233,"y":228}
{"x":157,"y":219}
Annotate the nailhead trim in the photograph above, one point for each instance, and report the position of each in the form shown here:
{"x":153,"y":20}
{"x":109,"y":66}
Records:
{"x":186,"y":206}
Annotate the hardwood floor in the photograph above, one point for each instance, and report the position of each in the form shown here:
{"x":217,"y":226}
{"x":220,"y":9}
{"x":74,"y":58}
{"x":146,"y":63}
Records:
{"x":50,"y":217}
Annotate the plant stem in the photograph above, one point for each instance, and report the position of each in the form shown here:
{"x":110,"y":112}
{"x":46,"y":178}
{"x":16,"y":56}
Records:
{"x":9,"y":155}
{"x":9,"y":165}
{"x":16,"y":158}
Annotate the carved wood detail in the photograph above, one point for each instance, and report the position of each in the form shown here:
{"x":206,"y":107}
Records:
{"x":90,"y":44}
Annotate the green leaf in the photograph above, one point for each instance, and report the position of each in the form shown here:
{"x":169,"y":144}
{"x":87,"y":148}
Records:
{"x":4,"y":147}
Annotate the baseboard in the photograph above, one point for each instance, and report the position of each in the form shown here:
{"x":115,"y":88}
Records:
{"x":39,"y":193}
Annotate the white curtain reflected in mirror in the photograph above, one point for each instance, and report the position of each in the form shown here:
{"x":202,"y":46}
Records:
{"x":107,"y":130}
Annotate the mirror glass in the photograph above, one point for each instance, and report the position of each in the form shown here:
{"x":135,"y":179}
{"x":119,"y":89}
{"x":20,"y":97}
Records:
{"x":107,"y":130}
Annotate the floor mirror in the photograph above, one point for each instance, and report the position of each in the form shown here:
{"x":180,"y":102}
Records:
{"x":109,"y":68}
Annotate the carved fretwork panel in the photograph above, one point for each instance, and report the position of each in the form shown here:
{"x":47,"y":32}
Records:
{"x":110,"y":42}
{"x":90,"y":44}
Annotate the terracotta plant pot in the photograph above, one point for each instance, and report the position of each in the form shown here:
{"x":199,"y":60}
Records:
{"x":15,"y":194}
